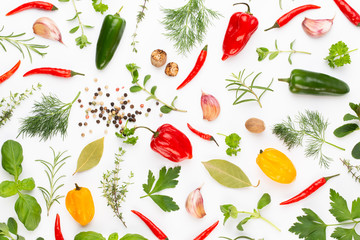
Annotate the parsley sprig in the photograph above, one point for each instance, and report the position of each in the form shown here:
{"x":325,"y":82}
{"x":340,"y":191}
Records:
{"x":339,"y":55}
{"x":167,"y":179}
{"x":233,"y":141}
{"x":99,"y":6}
{"x":311,"y":227}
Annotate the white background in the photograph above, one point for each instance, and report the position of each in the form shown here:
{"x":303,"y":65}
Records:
{"x":277,"y":105}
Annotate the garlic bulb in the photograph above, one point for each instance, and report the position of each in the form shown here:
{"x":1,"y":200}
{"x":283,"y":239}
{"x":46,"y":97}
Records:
{"x":317,"y":27}
{"x":46,"y":28}
{"x":210,"y":107}
{"x":194,"y":204}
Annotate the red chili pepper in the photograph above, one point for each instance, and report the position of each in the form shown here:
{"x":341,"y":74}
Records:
{"x":202,"y":135}
{"x":58,"y":234}
{"x":58,"y":72}
{"x":349,"y":12}
{"x":37,"y":4}
{"x":284,"y":19}
{"x":308,"y":191}
{"x":156,"y":231}
{"x":9,"y":73}
{"x":198,"y":65}
{"x":206,"y":233}
{"x":241,"y":27}
{"x":170,"y":143}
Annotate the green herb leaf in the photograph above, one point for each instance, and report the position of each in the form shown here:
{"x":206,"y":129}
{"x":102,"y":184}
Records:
{"x":12,"y":157}
{"x":233,"y":141}
{"x":356,"y":151}
{"x":166,"y":203}
{"x":90,"y":156}
{"x":228,"y":211}
{"x":227,"y":174}
{"x":99,"y":6}
{"x":355,"y":209}
{"x":345,"y":234}
{"x":135,"y":89}
{"x":273,"y":55}
{"x":242,"y":222}
{"x":262,"y":52}
{"x":167,"y":179}
{"x":150,"y":182}
{"x":355,"y":108}
{"x":165,"y":109}
{"x":131,"y":140}
{"x":28,"y":211}
{"x":114,"y":236}
{"x":264,"y":201}
{"x":348,"y":117}
{"x":339,"y":208}
{"x":345,"y":129}
{"x":153,"y":89}
{"x":8,"y":189}
{"x":27,"y":184}
{"x":89,"y":236}
{"x":12,"y":225}
{"x":73,"y":30}
{"x":146,"y":79}
{"x":130,"y":236}
{"x":338,"y":55}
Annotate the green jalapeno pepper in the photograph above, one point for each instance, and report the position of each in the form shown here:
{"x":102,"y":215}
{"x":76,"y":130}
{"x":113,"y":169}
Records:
{"x":302,"y":81}
{"x":110,"y":35}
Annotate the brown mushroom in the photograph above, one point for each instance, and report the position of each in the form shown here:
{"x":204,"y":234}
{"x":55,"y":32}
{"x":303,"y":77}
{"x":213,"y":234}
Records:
{"x":158,"y":58}
{"x":171,"y":69}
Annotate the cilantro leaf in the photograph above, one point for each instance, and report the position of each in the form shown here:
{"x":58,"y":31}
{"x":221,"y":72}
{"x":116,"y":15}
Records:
{"x":126,"y":134}
{"x":338,"y":55}
{"x":167,"y":179}
{"x":233,"y":141}
{"x":339,"y":208}
{"x":310,"y":226}
{"x":345,"y":234}
{"x":355,"y":209}
{"x":100,"y":7}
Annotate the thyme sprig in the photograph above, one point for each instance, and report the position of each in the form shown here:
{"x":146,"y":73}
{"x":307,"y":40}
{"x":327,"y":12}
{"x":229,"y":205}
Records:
{"x":82,"y":40}
{"x":187,"y":26}
{"x":241,"y":88}
{"x":14,"y":40}
{"x":310,"y":125}
{"x":353,"y":170}
{"x":51,"y":171}
{"x":51,"y":116}
{"x":264,"y":52}
{"x":8,"y":104}
{"x":140,"y":16}
{"x":166,"y":108}
{"x":115,"y":193}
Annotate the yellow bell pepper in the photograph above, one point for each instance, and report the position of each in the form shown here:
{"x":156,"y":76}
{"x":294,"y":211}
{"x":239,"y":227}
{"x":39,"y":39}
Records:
{"x":80,"y":205}
{"x":276,"y":165}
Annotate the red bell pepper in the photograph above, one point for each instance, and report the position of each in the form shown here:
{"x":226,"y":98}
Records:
{"x":241,"y":27}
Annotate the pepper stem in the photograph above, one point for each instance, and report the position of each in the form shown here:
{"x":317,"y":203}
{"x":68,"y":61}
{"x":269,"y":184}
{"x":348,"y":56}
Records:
{"x":284,"y":80}
{"x":248,"y":11}
{"x":205,"y":48}
{"x":77,"y":187}
{"x":327,"y":178}
{"x":118,"y":12}
{"x":72,"y":73}
{"x":213,"y":139}
{"x":147,"y":129}
{"x":276,"y":25}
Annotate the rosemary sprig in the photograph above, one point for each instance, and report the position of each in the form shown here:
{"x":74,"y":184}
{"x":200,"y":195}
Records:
{"x":264,"y":52}
{"x":186,"y":26}
{"x":51,"y":171}
{"x":14,"y":40}
{"x":8,"y":104}
{"x":50,"y":118}
{"x":82,"y":40}
{"x":312,"y":126}
{"x":166,"y":108}
{"x":241,"y":88}
{"x":114,"y":193}
{"x":140,"y":16}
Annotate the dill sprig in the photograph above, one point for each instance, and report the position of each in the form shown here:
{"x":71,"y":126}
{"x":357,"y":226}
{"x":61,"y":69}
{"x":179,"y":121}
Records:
{"x":312,"y":126}
{"x":114,"y":193}
{"x":14,"y":40}
{"x":8,"y":104}
{"x":140,"y":16}
{"x":354,"y":170}
{"x":186,"y":26}
{"x":50,"y":118}
{"x":241,"y":88}
{"x":51,"y":171}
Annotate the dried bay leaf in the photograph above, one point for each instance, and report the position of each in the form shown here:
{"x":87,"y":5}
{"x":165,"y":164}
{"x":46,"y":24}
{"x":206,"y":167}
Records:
{"x":90,"y":156}
{"x":227,"y":174}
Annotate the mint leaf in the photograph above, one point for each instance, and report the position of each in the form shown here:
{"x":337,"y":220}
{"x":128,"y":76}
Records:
{"x":339,"y":208}
{"x":345,"y":234}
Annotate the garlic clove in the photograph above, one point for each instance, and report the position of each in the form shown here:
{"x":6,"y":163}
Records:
{"x":210,"y":107}
{"x":317,"y":27}
{"x":46,"y":28}
{"x":195,"y":204}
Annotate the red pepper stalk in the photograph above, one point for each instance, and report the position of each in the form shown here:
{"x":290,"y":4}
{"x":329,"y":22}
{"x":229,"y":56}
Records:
{"x":284,"y":19}
{"x":349,"y":12}
{"x":170,"y":143}
{"x":198,"y":65}
{"x":58,"y":234}
{"x":30,"y":5}
{"x":9,"y":73}
{"x":241,"y":27}
{"x":58,"y":72}
{"x":156,"y":231}
{"x":309,"y":190}
{"x":205,"y":136}
{"x":206,"y":233}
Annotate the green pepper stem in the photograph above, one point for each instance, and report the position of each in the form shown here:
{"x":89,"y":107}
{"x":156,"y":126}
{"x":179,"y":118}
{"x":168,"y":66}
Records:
{"x":329,"y":177}
{"x":118,"y":12}
{"x":276,"y":25}
{"x":248,"y":7}
{"x":284,"y":80}
{"x":146,"y":128}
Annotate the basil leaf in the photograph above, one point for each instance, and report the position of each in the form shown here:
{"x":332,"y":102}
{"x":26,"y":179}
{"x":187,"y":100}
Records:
{"x":345,"y":129}
{"x":4,"y":229}
{"x":27,"y":184}
{"x":130,"y":236}
{"x":12,"y":225}
{"x":12,"y":157}
{"x":264,"y":201}
{"x":114,"y":236}
{"x":28,"y":211}
{"x":20,"y":237}
{"x":8,"y":189}
{"x":89,"y":236}
{"x":356,"y":151}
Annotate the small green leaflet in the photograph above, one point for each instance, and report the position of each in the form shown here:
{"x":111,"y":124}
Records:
{"x":339,"y":55}
{"x":264,"y":201}
{"x":233,"y":141}
{"x":90,"y":235}
{"x":90,"y":156}
{"x":99,"y":6}
{"x":345,"y":129}
{"x":356,"y":151}
{"x":167,"y":179}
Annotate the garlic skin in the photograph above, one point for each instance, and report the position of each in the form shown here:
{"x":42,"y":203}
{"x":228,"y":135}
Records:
{"x":46,"y":28}
{"x":210,"y":107}
{"x":317,"y":27}
{"x":194,"y":204}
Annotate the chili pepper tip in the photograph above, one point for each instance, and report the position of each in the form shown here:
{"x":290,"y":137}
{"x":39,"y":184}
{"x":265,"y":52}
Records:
{"x":327,"y":178}
{"x":54,"y":8}
{"x":276,"y":25}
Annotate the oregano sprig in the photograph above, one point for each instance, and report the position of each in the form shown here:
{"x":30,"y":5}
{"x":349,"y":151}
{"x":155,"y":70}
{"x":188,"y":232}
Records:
{"x":140,"y":16}
{"x":264,"y":52}
{"x":166,"y":108}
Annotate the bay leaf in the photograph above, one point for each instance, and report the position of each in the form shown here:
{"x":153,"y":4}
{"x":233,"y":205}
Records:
{"x":227,"y":174}
{"x":90,"y":156}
